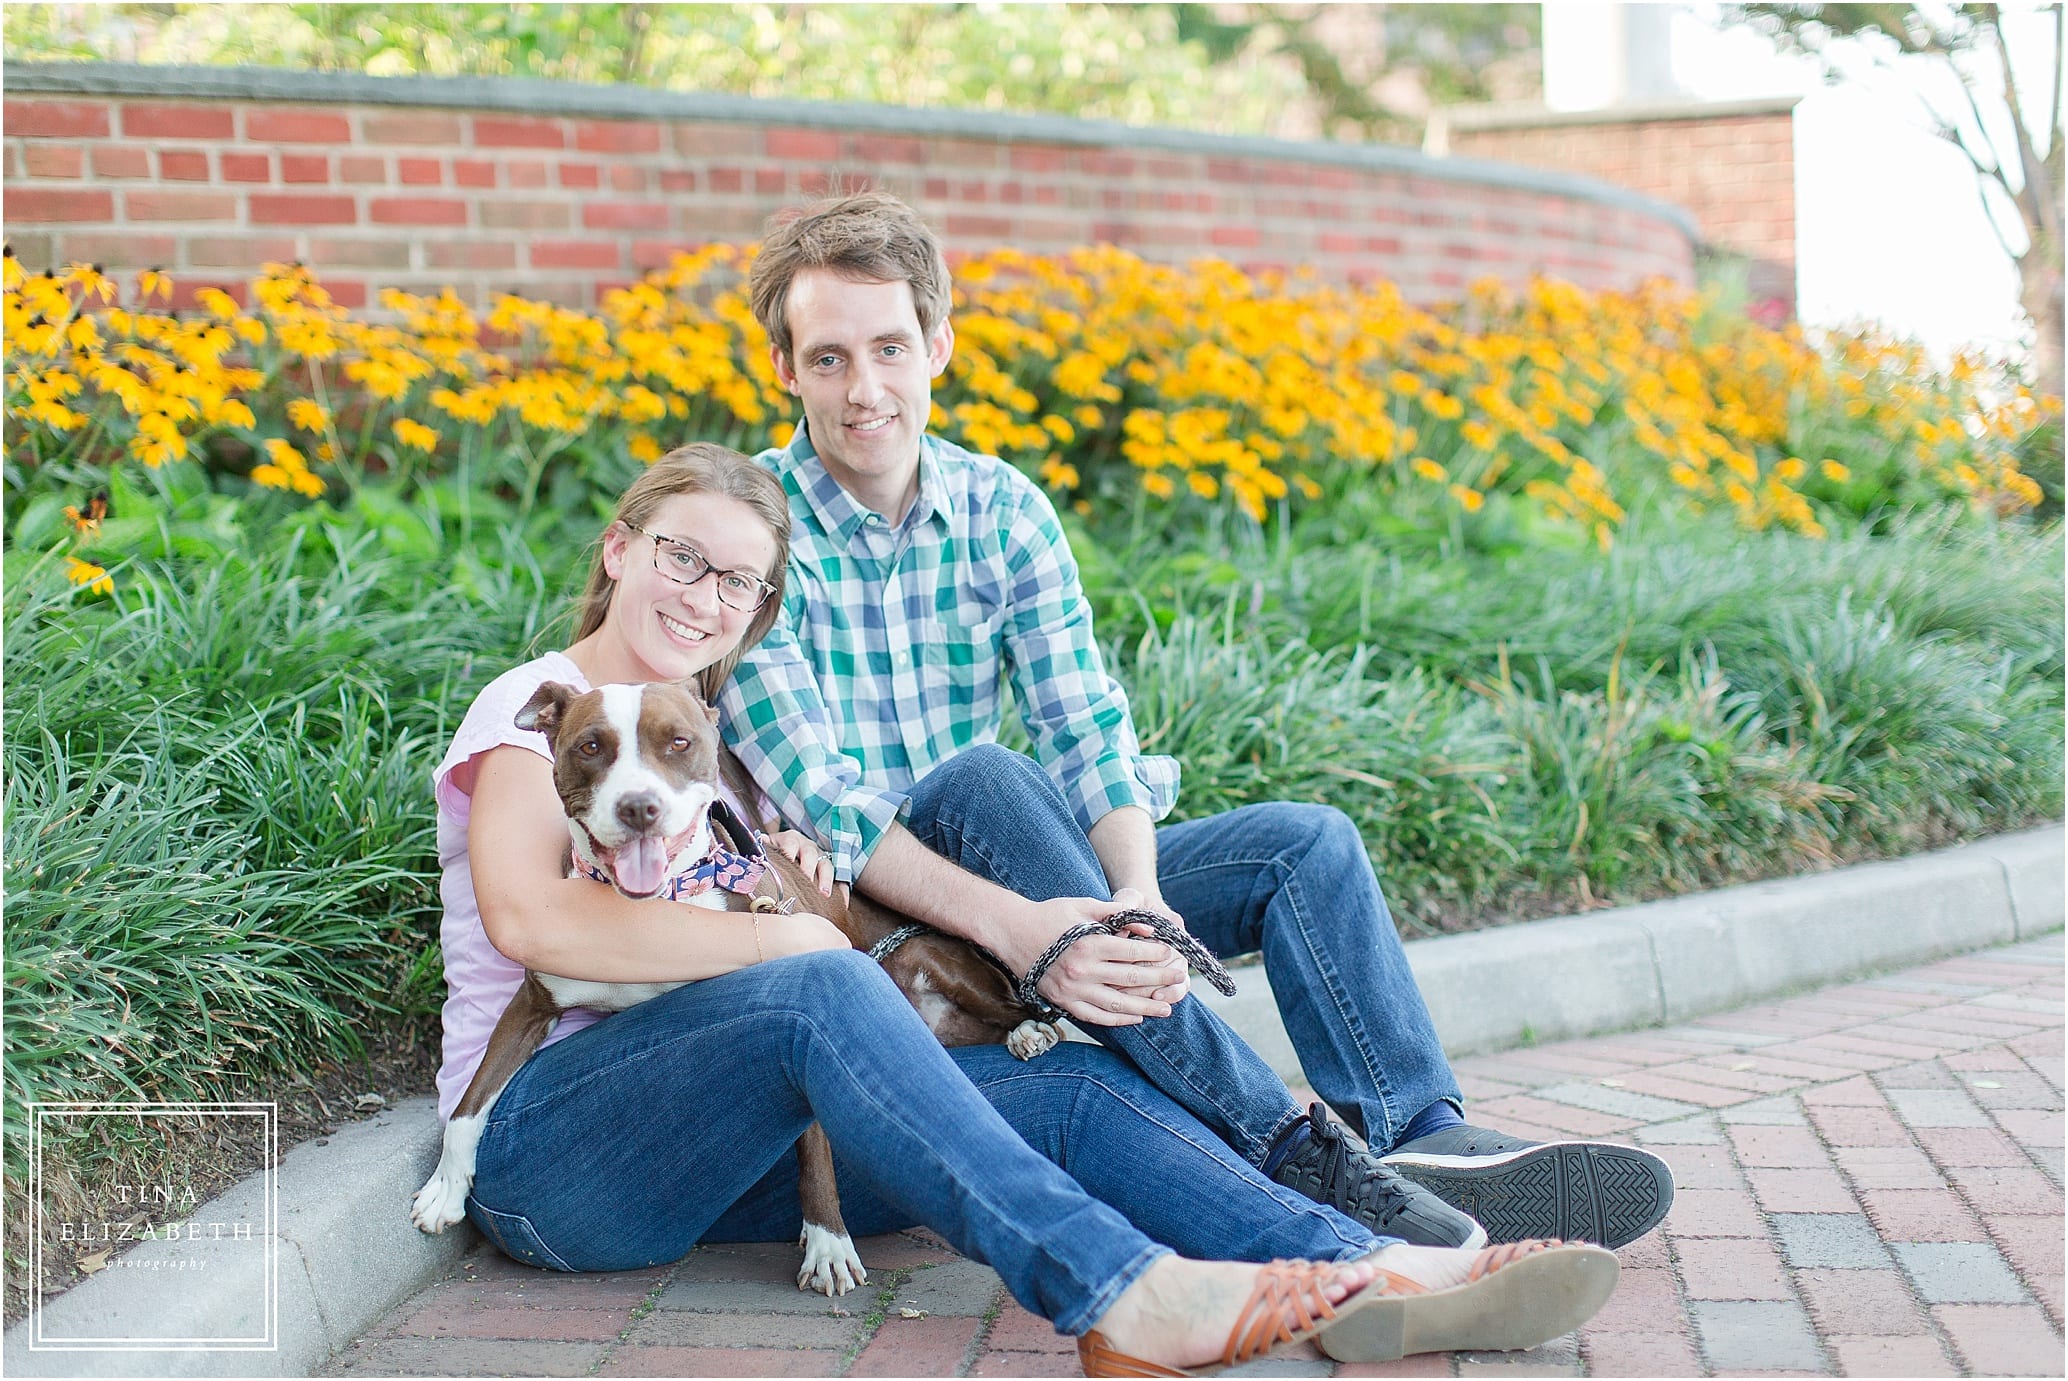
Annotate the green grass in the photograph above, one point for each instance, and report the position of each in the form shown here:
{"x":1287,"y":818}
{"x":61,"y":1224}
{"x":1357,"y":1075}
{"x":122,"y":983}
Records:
{"x":219,"y":840}
{"x":1697,"y":707}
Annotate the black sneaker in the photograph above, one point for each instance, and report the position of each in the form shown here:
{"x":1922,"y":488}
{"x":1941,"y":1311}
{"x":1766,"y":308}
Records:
{"x":1581,"y":1191}
{"x":1351,"y":1180}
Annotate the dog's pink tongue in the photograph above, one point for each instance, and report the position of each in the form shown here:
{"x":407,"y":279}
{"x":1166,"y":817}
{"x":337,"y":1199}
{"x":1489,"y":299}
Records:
{"x":642,"y":865}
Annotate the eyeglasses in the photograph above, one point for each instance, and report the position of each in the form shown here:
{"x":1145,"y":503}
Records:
{"x":685,"y":565}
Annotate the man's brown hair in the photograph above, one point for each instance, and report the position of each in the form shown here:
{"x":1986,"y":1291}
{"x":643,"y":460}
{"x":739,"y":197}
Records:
{"x":870,"y":237}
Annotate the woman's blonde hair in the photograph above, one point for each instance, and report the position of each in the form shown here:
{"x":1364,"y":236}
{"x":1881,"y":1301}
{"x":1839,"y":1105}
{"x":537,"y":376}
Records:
{"x":699,"y":468}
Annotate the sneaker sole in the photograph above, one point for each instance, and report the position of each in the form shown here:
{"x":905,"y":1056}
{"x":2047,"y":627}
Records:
{"x":1522,"y":1304}
{"x":1580,"y":1191}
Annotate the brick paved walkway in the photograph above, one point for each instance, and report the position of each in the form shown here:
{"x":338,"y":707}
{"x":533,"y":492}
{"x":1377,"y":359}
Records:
{"x":1869,"y":1185}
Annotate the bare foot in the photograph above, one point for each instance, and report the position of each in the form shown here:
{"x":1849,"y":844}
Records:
{"x":1180,"y":1312}
{"x":1438,"y":1268}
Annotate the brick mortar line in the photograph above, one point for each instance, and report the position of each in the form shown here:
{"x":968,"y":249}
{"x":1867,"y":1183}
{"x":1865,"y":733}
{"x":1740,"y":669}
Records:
{"x":569,"y":100}
{"x":886,"y":1296}
{"x":1674,"y":1269}
{"x":635,"y":1318}
{"x":979,"y":1344}
{"x":1911,"y":1290}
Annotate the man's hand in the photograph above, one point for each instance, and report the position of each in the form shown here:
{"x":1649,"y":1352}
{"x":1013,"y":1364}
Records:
{"x":1102,"y":980}
{"x":804,"y":851}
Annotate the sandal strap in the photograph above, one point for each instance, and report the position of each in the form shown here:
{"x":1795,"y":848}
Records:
{"x":1097,"y":1357}
{"x":1286,"y":1303}
{"x":1494,"y":1258}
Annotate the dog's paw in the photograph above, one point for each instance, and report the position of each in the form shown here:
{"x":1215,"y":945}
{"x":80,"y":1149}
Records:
{"x":831,"y":1266}
{"x":1031,"y":1038}
{"x":440,"y":1203}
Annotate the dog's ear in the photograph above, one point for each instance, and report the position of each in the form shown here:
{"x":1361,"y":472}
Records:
{"x":542,"y":712}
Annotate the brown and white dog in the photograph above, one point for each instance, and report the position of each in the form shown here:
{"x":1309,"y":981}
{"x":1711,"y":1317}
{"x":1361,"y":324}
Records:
{"x":637,"y":768}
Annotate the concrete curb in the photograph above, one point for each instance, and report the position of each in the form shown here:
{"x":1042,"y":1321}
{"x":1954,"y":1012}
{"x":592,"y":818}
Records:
{"x":1669,"y":961}
{"x":348,"y":1253}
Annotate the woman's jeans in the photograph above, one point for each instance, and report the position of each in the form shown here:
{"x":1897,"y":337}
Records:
{"x":676,"y":1121}
{"x":1293,"y":881}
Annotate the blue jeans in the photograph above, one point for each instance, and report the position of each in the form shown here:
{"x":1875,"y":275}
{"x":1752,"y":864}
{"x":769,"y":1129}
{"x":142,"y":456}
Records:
{"x":1291,"y":880}
{"x":675,"y":1122}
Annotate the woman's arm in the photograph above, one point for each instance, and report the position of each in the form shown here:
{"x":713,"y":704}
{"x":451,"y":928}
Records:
{"x":575,"y":928}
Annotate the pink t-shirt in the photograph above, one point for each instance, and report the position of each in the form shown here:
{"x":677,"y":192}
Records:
{"x":480,"y":979}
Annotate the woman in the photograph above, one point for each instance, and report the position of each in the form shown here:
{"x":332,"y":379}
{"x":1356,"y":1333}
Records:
{"x":623,"y":1143}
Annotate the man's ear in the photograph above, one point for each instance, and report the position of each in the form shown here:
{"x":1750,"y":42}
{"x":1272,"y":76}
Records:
{"x":781,"y":360}
{"x":941,"y":347}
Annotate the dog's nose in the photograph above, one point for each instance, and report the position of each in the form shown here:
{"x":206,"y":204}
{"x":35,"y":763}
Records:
{"x":639,"y":811}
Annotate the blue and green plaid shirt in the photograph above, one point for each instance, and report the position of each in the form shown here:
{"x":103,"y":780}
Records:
{"x":895,"y":645}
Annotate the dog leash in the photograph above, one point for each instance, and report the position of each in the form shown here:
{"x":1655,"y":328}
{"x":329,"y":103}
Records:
{"x":1185,"y":943}
{"x":890,"y":943}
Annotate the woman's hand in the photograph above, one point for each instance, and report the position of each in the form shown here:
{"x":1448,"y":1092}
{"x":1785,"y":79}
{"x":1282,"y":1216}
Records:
{"x":801,"y":932}
{"x":802,"y":851}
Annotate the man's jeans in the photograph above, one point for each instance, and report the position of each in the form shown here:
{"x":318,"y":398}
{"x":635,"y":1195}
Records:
{"x":1291,"y":880}
{"x":635,"y":1138}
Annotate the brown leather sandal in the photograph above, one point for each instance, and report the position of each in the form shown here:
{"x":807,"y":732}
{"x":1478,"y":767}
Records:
{"x":1285,"y":1307}
{"x":1515,"y":1295}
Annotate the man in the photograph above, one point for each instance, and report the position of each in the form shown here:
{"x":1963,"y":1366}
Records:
{"x":922,"y":580}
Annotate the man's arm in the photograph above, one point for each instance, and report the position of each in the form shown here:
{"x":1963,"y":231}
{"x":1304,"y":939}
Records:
{"x":1102,"y":980}
{"x":1125,"y":841}
{"x":1076,"y":715}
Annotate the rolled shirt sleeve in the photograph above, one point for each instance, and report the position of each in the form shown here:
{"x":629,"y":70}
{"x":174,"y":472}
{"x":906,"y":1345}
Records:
{"x":1075,"y":713}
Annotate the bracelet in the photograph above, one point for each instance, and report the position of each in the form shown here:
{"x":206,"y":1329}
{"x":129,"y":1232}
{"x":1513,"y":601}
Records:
{"x":760,"y":955}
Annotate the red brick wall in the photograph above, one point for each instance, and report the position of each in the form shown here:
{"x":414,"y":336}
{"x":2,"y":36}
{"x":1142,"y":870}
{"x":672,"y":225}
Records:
{"x":1735,"y":170}
{"x":375,"y":193}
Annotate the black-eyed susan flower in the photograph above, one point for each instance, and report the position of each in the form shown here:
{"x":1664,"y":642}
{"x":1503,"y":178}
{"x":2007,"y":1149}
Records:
{"x":95,"y":578}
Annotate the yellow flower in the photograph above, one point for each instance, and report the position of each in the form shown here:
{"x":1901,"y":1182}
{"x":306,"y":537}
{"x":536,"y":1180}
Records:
{"x":1428,"y":469}
{"x":644,"y":448}
{"x":415,"y":434}
{"x":153,"y":283}
{"x":218,"y":302}
{"x":1836,"y":473}
{"x":1471,"y":500}
{"x":308,"y":414}
{"x":90,"y":278}
{"x":1446,"y":407}
{"x":1059,"y":475}
{"x":94,"y":578}
{"x":1158,"y":485}
{"x":1202,"y":485}
{"x":284,"y":454}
